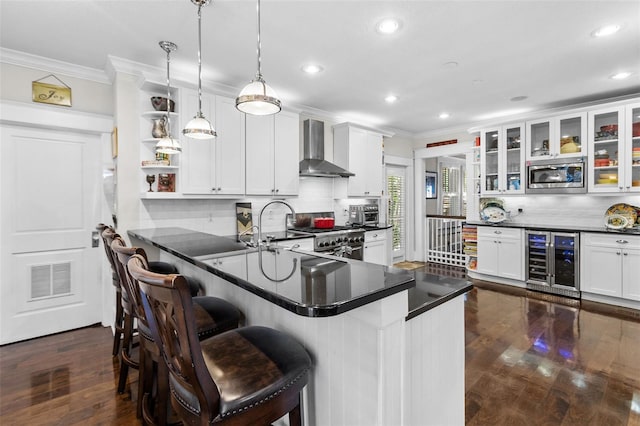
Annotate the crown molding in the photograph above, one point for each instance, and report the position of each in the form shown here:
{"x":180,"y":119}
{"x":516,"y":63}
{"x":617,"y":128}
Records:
{"x":28,"y":60}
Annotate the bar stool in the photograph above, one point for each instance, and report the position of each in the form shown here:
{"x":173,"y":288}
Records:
{"x":252,"y":375}
{"x":118,"y":324}
{"x":213,"y":316}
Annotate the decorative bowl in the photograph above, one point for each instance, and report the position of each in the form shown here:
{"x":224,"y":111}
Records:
{"x":160,"y":104}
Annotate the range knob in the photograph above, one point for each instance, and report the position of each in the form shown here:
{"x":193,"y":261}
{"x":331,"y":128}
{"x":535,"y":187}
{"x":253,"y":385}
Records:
{"x":321,"y":244}
{"x":361,"y":239}
{"x":339,"y":240}
{"x":351,"y":240}
{"x":333,"y":243}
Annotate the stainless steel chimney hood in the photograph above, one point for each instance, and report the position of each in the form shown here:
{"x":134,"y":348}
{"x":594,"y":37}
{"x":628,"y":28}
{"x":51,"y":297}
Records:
{"x":314,"y":163}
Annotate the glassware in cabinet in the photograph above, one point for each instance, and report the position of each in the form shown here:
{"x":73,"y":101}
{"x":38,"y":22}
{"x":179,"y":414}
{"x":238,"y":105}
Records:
{"x":632,"y":150}
{"x":606,"y":150}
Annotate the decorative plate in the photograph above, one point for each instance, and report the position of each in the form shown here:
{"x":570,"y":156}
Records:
{"x":493,"y":214}
{"x":615,"y":221}
{"x":625,"y":210}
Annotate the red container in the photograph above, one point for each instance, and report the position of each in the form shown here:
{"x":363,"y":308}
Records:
{"x":323,"y":222}
{"x":636,"y":129}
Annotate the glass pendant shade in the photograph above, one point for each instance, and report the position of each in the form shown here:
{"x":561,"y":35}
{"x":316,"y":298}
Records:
{"x":199,"y":127}
{"x":168,"y":145}
{"x":257,"y":98}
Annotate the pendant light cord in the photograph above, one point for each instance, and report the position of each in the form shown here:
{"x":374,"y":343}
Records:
{"x":200,"y":60}
{"x":168,"y":126}
{"x":259,"y":74}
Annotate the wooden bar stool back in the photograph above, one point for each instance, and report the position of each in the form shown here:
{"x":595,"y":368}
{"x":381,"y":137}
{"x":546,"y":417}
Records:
{"x":247,"y":376}
{"x":107,"y":232}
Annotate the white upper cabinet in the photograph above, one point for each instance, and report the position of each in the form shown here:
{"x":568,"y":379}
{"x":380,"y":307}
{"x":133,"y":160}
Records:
{"x":557,"y":137}
{"x":273,"y":154}
{"x":360,"y":151}
{"x":614,"y":149}
{"x":213,"y":166}
{"x":502,"y":159}
{"x":606,"y":150}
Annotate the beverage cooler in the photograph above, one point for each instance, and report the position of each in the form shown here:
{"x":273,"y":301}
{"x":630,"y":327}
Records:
{"x":553,"y":262}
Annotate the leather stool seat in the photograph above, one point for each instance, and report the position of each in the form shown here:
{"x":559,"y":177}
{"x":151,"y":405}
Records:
{"x":274,"y":361}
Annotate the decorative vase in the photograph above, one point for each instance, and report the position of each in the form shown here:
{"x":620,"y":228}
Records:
{"x":159,"y":129}
{"x":160,"y":104}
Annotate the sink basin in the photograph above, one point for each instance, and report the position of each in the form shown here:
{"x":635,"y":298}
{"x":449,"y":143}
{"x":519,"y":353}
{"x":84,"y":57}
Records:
{"x":222,"y":247}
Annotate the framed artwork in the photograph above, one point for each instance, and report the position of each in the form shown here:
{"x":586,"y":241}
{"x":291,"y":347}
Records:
{"x":244,"y":219}
{"x":114,"y":143}
{"x":431,"y":185}
{"x":166,"y":182}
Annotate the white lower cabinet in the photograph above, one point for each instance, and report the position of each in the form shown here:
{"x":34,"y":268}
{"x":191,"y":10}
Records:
{"x":611,"y":265}
{"x":375,"y":247}
{"x":501,"y":252}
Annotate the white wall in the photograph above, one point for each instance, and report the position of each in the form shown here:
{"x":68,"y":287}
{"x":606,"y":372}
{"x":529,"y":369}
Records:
{"x":86,"y":95}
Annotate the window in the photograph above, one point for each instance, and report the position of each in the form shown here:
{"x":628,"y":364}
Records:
{"x":396,"y":215}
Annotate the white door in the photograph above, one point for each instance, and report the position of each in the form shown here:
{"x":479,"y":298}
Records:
{"x":50,"y":182}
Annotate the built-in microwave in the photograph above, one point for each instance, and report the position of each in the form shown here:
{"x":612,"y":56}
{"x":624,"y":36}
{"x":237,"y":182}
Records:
{"x":557,"y":176}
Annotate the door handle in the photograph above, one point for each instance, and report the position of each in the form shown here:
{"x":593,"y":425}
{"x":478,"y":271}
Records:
{"x":95,"y":240}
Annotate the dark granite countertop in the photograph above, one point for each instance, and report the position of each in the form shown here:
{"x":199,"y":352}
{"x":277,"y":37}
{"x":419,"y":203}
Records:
{"x":564,"y":228}
{"x":434,"y":290}
{"x":311,"y":285}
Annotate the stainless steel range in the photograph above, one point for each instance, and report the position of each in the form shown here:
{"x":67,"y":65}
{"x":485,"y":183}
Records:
{"x":343,"y":241}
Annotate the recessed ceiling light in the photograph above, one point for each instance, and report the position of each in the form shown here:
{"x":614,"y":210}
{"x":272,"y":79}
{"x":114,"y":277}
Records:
{"x":390,"y":99}
{"x":519,"y":98}
{"x":388,"y":26}
{"x":620,"y":76}
{"x":444,"y":115}
{"x":606,"y":30}
{"x":312,"y":69}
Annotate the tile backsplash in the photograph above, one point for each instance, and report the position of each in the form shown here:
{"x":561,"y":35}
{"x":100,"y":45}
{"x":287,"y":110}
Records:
{"x":219,"y":216}
{"x":578,"y":210}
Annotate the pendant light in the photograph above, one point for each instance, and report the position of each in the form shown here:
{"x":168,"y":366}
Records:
{"x":257,"y":98}
{"x":167,"y":144}
{"x":199,"y":127}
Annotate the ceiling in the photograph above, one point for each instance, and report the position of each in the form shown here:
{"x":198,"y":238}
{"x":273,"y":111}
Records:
{"x":466,"y":58}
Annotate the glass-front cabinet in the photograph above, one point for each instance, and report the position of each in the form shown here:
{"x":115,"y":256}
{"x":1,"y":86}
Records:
{"x":631,"y":157}
{"x":502,"y":158}
{"x":556,"y":137}
{"x":606,"y":150}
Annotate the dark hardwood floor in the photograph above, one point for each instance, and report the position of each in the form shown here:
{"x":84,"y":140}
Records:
{"x":528,"y":362}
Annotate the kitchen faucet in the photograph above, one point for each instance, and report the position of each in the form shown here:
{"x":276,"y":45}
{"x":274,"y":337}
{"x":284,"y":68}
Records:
{"x":260,"y":252}
{"x":249,"y":243}
{"x":293,"y":214}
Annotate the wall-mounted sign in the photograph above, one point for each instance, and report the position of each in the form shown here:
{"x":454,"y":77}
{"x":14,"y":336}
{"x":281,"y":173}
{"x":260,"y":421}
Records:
{"x":47,"y":93}
{"x":449,"y":142}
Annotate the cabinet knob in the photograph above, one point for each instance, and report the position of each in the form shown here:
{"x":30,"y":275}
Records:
{"x":622,"y":241}
{"x":618,"y":253}
{"x":213,"y":190}
{"x":219,"y":189}
{"x":497,"y":232}
{"x":277,"y":190}
{"x":625,"y":254}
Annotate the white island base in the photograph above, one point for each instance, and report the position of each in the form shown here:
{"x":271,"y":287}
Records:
{"x":371,"y":366}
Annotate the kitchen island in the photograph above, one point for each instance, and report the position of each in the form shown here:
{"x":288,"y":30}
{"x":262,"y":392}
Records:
{"x":353,"y":318}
